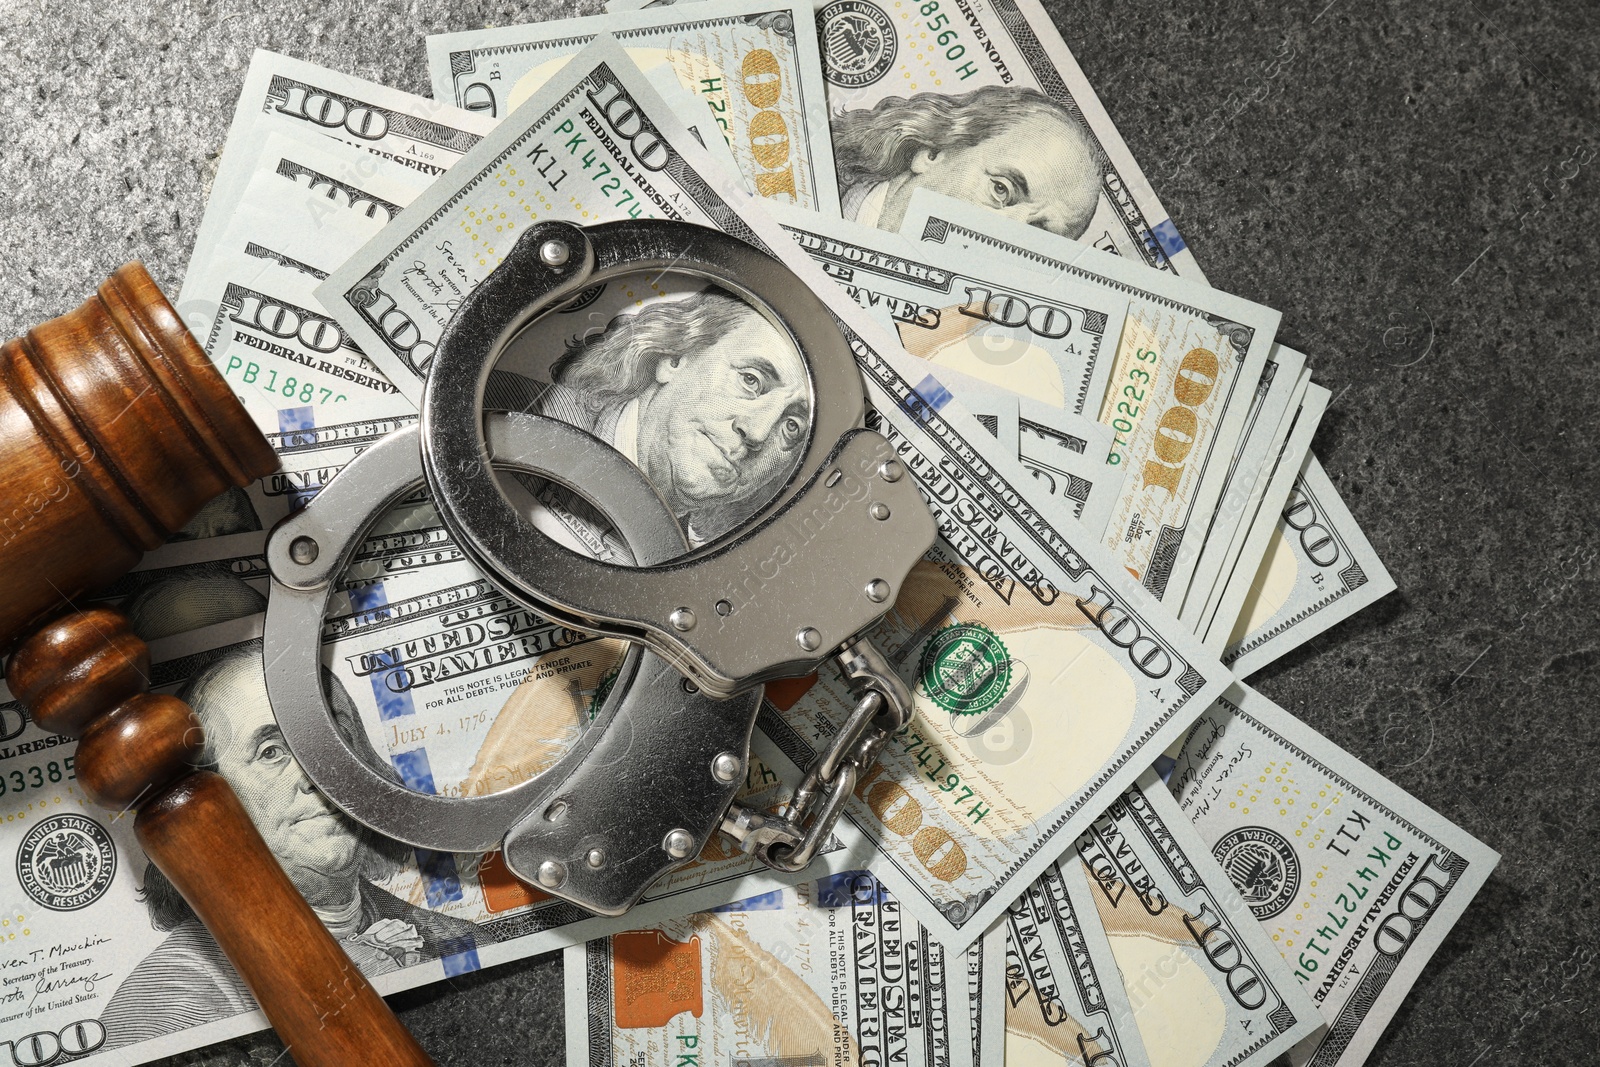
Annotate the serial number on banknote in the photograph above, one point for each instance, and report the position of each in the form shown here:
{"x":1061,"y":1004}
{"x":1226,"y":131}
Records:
{"x":38,"y":776}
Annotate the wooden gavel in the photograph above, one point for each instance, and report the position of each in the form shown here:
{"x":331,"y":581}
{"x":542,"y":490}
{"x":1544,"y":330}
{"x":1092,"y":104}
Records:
{"x":115,"y":429}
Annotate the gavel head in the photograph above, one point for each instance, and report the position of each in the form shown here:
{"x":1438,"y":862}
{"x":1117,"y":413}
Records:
{"x":115,"y":429}
{"x":86,"y":676}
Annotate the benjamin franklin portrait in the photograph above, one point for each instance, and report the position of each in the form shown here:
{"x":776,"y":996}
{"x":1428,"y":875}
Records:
{"x":704,"y":395}
{"x":1007,"y":148}
{"x":187,"y":981}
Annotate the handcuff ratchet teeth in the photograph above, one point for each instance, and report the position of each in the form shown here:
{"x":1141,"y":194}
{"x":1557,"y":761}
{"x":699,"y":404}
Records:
{"x":783,"y":595}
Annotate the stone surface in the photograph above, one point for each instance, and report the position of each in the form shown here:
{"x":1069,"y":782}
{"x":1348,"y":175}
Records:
{"x":1402,"y":178}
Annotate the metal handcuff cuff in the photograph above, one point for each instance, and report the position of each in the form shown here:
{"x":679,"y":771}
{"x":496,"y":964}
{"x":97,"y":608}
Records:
{"x":788,"y":591}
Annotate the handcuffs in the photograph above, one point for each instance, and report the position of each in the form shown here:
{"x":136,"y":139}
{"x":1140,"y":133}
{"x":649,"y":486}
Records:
{"x":784,"y":594}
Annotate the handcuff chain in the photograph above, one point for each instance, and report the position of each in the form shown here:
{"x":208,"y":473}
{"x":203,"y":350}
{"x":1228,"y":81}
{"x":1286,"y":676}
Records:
{"x":788,"y":842}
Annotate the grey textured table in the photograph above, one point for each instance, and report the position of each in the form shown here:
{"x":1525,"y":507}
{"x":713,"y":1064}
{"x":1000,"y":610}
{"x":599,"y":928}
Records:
{"x":1389,"y":174}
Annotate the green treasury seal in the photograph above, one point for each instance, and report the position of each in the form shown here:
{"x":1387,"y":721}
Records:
{"x":965,"y":669}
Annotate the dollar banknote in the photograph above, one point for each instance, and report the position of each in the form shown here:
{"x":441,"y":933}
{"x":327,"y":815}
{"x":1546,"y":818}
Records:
{"x":1180,"y":389}
{"x":754,"y":62}
{"x":1010,"y":617}
{"x":1064,"y":997}
{"x":288,"y":94}
{"x":1234,"y":589}
{"x":980,"y":99}
{"x":110,"y":966}
{"x":1318,"y":569}
{"x":824,"y":972}
{"x":1052,"y":340}
{"x":1206,"y":984}
{"x":1356,"y":882}
{"x":1266,"y":426}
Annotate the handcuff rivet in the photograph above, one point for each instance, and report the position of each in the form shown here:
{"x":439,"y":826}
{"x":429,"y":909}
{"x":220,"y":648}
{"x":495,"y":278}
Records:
{"x":877,"y":590}
{"x":724,"y":608}
{"x":552,"y":874}
{"x":892,"y":470}
{"x":596,"y":858}
{"x":726,"y":767}
{"x":678,"y":843}
{"x":879,"y":510}
{"x":682,"y":619}
{"x":554,"y":253}
{"x":303,"y":550}
{"x":809,"y":639}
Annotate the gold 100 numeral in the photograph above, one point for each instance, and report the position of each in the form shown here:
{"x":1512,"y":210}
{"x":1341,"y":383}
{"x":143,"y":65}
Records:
{"x":1179,"y":426}
{"x":762,"y":82}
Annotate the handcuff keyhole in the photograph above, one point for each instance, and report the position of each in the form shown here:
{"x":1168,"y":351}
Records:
{"x":724,"y":608}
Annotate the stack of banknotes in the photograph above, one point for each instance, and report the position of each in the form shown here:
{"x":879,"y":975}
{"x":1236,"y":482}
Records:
{"x":1095,"y":844}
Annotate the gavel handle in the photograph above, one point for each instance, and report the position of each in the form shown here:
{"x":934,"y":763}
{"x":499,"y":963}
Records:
{"x":86,"y":676}
{"x":322,"y":1006}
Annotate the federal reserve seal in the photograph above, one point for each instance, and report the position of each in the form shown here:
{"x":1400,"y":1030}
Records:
{"x":965,"y":669}
{"x":1263,"y":865}
{"x":66,"y":862}
{"x":858,"y":43}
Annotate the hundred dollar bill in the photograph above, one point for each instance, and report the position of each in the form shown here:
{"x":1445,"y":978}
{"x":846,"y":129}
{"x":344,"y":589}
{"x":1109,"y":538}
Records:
{"x":1063,"y":431}
{"x":1065,"y":1001}
{"x":1234,"y":589}
{"x":1046,"y":677}
{"x":1266,"y":426}
{"x":1318,"y":569}
{"x":982,"y":100}
{"x":1205,"y":983}
{"x":1186,"y":369}
{"x":697,"y":115}
{"x":1050,"y":339}
{"x":288,"y":94}
{"x":1277,"y":457}
{"x":754,"y":62}
{"x":1357,"y":882}
{"x":823,"y":972}
{"x":108,"y":965}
